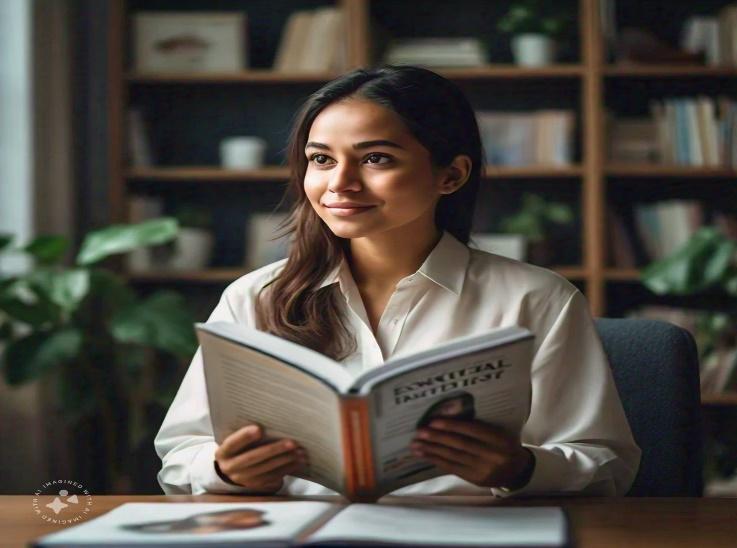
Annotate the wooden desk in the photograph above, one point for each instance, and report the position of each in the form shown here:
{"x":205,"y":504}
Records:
{"x":601,"y":522}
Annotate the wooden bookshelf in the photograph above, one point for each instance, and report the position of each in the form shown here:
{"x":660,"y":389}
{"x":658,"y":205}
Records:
{"x":585,"y":79}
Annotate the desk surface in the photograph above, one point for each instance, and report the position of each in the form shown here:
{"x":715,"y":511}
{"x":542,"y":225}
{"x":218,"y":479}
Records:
{"x":601,"y":522}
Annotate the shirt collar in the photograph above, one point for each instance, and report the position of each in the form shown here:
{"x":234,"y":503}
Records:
{"x":445,"y":265}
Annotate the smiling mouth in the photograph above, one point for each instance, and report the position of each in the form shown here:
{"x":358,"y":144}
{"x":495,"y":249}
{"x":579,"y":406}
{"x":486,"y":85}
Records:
{"x":345,"y":211}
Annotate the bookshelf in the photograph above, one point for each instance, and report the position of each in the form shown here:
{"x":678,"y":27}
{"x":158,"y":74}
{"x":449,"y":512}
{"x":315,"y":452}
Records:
{"x":585,"y":81}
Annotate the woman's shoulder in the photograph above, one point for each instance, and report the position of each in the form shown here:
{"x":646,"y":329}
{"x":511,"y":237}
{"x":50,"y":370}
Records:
{"x":517,"y":277}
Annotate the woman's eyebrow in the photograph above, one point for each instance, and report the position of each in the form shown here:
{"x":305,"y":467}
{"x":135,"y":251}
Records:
{"x":364,"y":144}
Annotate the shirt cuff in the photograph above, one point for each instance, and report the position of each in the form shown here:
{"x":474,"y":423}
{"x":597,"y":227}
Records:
{"x":205,"y":479}
{"x":549,"y":473}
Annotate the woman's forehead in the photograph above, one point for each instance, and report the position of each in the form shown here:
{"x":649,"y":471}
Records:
{"x":355,"y":119}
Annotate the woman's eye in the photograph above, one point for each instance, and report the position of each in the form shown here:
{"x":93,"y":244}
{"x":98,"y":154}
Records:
{"x":377,"y":157}
{"x":314,"y":157}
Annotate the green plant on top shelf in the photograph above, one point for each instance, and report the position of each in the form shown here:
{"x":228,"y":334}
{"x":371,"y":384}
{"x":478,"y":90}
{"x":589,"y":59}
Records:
{"x":97,"y":341}
{"x":536,"y":216}
{"x":526,"y":17}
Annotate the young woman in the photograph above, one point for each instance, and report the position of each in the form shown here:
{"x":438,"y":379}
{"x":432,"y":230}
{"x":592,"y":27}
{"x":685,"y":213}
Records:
{"x":385,"y":168}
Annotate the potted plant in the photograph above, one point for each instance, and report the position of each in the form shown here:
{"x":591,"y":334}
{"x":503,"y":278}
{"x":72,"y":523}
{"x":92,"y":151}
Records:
{"x":533,"y":34}
{"x":192,"y":249}
{"x":707,"y":262}
{"x":534,"y":221}
{"x":93,"y":337}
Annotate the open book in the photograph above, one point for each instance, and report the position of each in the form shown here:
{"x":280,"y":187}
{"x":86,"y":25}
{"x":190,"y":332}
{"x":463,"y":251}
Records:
{"x":298,"y":523}
{"x":357,"y":431}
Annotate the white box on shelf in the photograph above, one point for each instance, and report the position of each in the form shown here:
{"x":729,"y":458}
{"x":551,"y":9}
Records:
{"x":513,"y":246}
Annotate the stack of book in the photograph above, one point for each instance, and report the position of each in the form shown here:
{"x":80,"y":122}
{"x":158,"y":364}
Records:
{"x":313,"y":41}
{"x":543,"y":137}
{"x":697,"y":131}
{"x":436,"y":52}
{"x":632,"y":140}
{"x":714,"y":36}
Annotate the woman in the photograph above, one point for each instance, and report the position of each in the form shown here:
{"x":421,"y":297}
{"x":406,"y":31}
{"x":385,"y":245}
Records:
{"x":385,"y":167}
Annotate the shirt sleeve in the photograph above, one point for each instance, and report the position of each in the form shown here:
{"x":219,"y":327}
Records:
{"x":185,"y":442}
{"x":577,"y":429}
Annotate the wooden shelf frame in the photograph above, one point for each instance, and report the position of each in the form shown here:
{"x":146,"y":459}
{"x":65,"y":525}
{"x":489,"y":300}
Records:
{"x":591,"y":72}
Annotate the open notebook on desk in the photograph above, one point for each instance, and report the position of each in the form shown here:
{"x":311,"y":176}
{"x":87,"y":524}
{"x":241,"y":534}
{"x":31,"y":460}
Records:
{"x":301,"y":523}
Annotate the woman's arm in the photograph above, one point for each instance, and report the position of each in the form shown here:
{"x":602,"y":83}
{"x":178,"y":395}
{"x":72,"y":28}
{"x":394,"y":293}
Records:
{"x":577,"y":429}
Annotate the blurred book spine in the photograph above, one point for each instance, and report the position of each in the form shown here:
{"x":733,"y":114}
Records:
{"x":437,"y":52}
{"x":543,"y":137}
{"x":313,"y":41}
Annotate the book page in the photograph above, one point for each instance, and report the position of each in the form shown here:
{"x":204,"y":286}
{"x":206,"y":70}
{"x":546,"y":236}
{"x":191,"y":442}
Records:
{"x":445,"y":526}
{"x":199,"y":524}
{"x":491,"y":385}
{"x":245,"y":386}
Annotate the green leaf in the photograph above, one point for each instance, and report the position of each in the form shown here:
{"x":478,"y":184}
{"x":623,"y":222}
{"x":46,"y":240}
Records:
{"x":28,"y":358}
{"x":111,"y":289}
{"x":699,"y":264}
{"x":47,"y":249}
{"x":66,"y":288}
{"x":162,"y":321}
{"x":22,"y":303}
{"x":5,"y":241}
{"x":124,"y":238}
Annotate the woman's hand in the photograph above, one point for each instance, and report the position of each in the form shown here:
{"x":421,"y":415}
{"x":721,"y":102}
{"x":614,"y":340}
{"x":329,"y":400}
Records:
{"x":261,"y":467}
{"x":476,"y":451}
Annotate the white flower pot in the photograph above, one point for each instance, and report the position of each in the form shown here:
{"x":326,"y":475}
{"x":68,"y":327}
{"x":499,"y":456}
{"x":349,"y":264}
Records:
{"x":192,"y":250}
{"x":533,"y":50}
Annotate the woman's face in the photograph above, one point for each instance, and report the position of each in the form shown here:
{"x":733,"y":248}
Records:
{"x":393,"y":182}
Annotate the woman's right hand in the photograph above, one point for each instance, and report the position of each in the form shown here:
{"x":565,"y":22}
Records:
{"x":261,"y":467}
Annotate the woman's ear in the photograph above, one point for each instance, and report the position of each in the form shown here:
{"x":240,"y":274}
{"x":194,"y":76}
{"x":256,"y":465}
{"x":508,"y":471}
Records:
{"x":455,"y":175}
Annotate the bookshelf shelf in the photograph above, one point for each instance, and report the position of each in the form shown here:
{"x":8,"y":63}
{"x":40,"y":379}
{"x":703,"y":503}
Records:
{"x":572,"y":272}
{"x":724,"y":399}
{"x":656,"y":171}
{"x":214,"y":275}
{"x":622,"y":275}
{"x":512,"y":71}
{"x":244,"y":77}
{"x":279,"y":173}
{"x":666,"y":71}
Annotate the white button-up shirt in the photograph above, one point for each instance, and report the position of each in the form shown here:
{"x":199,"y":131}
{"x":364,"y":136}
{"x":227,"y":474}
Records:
{"x":576,"y":429}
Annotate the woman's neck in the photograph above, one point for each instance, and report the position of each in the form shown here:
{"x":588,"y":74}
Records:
{"x":381,"y":260}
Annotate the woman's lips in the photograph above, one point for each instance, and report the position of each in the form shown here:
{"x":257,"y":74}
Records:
{"x":348,"y":211}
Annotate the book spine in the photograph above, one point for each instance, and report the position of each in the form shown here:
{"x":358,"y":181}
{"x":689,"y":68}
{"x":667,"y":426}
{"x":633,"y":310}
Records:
{"x":359,"y":465}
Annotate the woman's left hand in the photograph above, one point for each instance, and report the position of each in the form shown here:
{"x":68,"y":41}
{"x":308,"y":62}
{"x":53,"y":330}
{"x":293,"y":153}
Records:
{"x":476,"y":451}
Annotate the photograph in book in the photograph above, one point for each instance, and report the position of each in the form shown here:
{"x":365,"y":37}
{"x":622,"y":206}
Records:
{"x":305,"y":523}
{"x":357,"y":431}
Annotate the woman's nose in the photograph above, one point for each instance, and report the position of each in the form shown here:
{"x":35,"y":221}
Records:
{"x":344,"y":177}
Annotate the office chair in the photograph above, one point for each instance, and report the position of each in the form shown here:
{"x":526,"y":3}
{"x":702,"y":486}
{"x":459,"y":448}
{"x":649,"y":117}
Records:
{"x":656,"y":370}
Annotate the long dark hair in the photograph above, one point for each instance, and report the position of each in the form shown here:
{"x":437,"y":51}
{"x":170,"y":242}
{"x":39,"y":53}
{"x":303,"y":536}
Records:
{"x":440,"y":117}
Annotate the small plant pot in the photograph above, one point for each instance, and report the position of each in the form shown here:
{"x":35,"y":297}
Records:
{"x":533,"y":50}
{"x":192,"y":250}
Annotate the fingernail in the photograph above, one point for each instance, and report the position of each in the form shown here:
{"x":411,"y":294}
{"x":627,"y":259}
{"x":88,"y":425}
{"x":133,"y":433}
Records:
{"x":423,"y":434}
{"x":252,"y":429}
{"x":289,"y":444}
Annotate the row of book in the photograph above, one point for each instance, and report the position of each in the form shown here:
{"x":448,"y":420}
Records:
{"x":543,"y":137}
{"x":313,"y":41}
{"x":713,"y":35}
{"x":697,"y":131}
{"x":657,"y":230}
{"x":436,"y":52}
{"x":718,"y":368}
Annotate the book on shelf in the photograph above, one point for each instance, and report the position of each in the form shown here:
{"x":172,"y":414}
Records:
{"x":313,"y":41}
{"x":140,"y":153}
{"x":437,"y":52}
{"x":666,"y":226}
{"x":357,"y":431}
{"x":622,"y":253}
{"x":632,"y":140}
{"x":543,"y":137}
{"x":697,"y":131}
{"x":303,"y":523}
